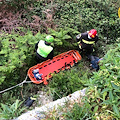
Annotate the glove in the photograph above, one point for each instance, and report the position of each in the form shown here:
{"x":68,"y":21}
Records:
{"x":78,"y":36}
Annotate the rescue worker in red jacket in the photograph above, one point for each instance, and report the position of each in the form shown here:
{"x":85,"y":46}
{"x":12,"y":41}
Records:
{"x":44,"y":50}
{"x":87,"y":40}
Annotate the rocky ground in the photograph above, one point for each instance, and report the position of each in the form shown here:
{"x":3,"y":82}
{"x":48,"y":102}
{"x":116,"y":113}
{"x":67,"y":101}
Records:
{"x":49,"y":106}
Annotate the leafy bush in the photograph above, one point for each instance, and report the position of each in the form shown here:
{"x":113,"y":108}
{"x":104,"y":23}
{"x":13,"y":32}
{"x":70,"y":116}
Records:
{"x":17,"y":53}
{"x":14,"y":52}
{"x":88,"y":14}
{"x":104,"y":86}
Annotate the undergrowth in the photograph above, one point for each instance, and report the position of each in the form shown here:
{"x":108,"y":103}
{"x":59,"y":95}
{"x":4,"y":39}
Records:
{"x":23,"y":23}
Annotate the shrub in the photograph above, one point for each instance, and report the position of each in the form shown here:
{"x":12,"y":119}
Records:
{"x":17,"y":53}
{"x":88,"y":14}
{"x":104,"y":86}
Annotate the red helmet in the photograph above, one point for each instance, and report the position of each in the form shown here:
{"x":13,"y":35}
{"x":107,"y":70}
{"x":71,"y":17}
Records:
{"x":92,"y":33}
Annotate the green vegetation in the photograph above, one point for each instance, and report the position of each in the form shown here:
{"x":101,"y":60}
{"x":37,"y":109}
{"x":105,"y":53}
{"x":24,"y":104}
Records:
{"x":69,"y":81}
{"x":104,"y":86}
{"x":12,"y":110}
{"x":24,"y":22}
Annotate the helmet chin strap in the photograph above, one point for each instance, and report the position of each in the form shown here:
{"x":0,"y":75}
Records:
{"x":89,"y":37}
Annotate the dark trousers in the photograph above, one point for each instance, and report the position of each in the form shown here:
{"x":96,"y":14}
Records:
{"x":92,"y":58}
{"x":86,"y":50}
{"x":39,"y":57}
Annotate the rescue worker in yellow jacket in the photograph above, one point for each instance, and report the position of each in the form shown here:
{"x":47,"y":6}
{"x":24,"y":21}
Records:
{"x":44,"y":50}
{"x":87,"y":40}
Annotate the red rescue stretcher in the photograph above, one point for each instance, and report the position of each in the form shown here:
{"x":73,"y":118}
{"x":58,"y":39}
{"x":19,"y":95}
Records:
{"x":45,"y":70}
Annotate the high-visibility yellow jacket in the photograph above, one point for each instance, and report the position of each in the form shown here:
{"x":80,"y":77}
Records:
{"x":43,"y":49}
